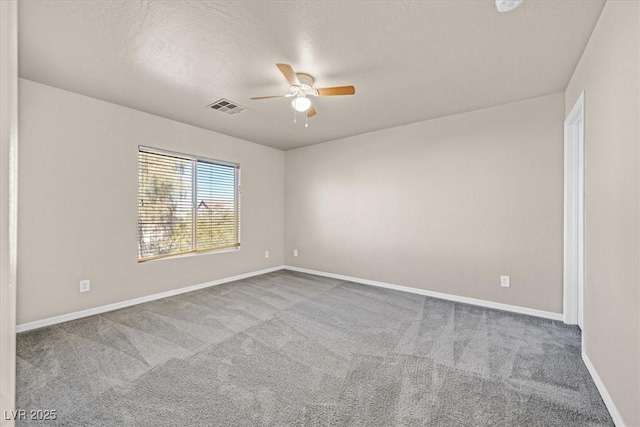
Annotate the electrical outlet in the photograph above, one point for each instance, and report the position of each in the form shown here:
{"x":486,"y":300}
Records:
{"x":266,"y":254}
{"x":295,"y":252}
{"x":85,"y":285}
{"x":505,"y":281}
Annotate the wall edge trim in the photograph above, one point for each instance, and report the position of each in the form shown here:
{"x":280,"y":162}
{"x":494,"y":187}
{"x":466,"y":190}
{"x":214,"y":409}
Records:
{"x":23,"y":327}
{"x":449,"y":297}
{"x":604,"y":393}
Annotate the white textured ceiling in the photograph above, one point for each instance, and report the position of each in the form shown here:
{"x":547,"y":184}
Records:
{"x":409,"y":61}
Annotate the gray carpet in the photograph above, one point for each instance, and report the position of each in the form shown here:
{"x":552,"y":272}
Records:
{"x":291,"y":349}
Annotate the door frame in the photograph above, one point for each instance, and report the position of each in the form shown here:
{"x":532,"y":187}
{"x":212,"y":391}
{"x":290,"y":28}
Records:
{"x":8,"y":204}
{"x":574,"y":214}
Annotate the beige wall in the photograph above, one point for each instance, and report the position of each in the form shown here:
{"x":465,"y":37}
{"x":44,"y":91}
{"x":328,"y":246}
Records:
{"x":609,"y":73}
{"x":446,"y":205}
{"x":78,"y":203}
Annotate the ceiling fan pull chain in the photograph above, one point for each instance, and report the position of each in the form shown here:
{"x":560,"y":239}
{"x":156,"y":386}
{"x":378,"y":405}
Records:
{"x":295,"y":119}
{"x":306,"y":120}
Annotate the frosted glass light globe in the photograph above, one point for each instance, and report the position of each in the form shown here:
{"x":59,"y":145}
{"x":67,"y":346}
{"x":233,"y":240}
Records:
{"x":301,"y":104}
{"x":507,"y":5}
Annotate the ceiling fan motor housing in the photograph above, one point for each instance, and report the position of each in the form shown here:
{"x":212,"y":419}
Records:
{"x":305,"y":79}
{"x":306,"y":85}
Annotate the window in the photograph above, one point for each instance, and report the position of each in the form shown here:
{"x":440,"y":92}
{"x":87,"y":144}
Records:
{"x":185,"y":204}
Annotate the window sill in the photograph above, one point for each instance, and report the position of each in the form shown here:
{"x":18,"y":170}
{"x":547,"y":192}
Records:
{"x":190,"y":254}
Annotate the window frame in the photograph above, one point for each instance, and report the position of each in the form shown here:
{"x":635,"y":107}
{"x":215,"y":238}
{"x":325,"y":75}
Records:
{"x":194,"y":204}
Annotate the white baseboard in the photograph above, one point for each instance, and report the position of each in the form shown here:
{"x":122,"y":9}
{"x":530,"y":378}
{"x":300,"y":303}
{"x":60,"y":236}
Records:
{"x":115,"y":306}
{"x":606,"y":397}
{"x":449,"y":297}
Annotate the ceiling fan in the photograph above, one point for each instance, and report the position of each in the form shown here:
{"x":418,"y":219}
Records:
{"x":301,"y":88}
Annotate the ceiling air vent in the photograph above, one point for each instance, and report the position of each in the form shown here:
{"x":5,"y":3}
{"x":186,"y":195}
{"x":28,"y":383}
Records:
{"x":226,"y":106}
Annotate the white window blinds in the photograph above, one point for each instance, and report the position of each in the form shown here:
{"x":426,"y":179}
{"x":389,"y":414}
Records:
{"x":185,"y":204}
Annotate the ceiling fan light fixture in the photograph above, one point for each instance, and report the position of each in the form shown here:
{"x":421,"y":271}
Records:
{"x":507,"y":5}
{"x":301,"y":103}
{"x":301,"y":88}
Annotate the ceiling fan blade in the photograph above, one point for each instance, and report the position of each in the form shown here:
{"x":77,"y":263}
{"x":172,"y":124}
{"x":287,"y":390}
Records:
{"x":337,"y":90}
{"x":289,"y":74}
{"x":267,"y":97}
{"x":311,"y":112}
